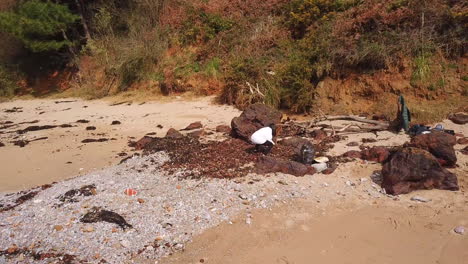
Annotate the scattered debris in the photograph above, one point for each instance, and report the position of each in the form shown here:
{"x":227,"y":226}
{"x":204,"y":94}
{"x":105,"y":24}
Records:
{"x":420,"y":199}
{"x":96,"y":214}
{"x":35,"y":128}
{"x":130,"y":192}
{"x":90,"y":140}
{"x":115,"y":122}
{"x":65,"y":101}
{"x":14,"y":110}
{"x":82,"y":121}
{"x":90,"y":128}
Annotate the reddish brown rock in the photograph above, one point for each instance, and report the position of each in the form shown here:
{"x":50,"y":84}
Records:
{"x":141,"y":144}
{"x":223,"y":129}
{"x":294,"y":142}
{"x":253,"y":118}
{"x":267,"y":164}
{"x":375,"y":154}
{"x":319,"y":134}
{"x":369,"y":140}
{"x":439,"y":144}
{"x":459,"y":118}
{"x":195,"y":125}
{"x":410,"y":169}
{"x":172,"y":133}
{"x":462,"y":141}
{"x":197,"y":133}
{"x":354,"y":154}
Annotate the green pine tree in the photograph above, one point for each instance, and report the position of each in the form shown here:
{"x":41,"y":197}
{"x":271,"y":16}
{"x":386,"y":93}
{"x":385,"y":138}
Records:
{"x":41,"y":26}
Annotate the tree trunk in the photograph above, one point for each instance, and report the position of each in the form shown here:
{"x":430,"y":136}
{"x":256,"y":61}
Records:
{"x":79,"y":4}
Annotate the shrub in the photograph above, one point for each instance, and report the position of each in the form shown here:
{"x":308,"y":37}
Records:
{"x":202,"y":26}
{"x":8,"y":82}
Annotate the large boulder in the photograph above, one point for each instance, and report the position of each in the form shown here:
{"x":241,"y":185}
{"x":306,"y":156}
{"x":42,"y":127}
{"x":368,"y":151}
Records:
{"x":411,"y":169}
{"x":253,"y":118}
{"x":267,"y":164}
{"x":440,"y":144}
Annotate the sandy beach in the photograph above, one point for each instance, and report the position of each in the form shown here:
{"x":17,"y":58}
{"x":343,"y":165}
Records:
{"x":343,"y":217}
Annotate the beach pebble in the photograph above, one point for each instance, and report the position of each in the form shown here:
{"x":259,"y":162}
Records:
{"x":459,"y":230}
{"x":243,"y":196}
{"x":420,"y":199}
{"x":58,"y":227}
{"x":87,"y":229}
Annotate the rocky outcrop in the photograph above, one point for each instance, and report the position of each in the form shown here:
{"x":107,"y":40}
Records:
{"x":267,"y":164}
{"x":411,"y":169}
{"x":440,"y":144}
{"x":253,"y":118}
{"x":223,"y":129}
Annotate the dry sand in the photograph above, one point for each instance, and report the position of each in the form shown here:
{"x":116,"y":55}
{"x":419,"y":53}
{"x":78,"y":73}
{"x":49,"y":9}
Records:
{"x":45,"y":161}
{"x":339,"y":218}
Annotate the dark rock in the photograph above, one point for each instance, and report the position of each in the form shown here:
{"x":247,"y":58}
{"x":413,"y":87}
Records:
{"x":192,"y":126}
{"x":96,"y":214}
{"x":352,"y":144}
{"x":151,"y":134}
{"x":223,"y":129}
{"x":122,"y":154}
{"x":1,"y":144}
{"x":116,"y":122}
{"x":459,"y":118}
{"x":264,"y":148}
{"x":90,"y":140}
{"x":438,"y":143}
{"x":410,"y":169}
{"x":71,"y":195}
{"x":159,"y":126}
{"x":268,"y":164}
{"x":141,"y":144}
{"x":82,"y":121}
{"x":91,"y":128}
{"x":253,"y":118}
{"x":319,"y":134}
{"x":375,"y":154}
{"x":369,"y":140}
{"x":197,"y":133}
{"x":65,"y":125}
{"x":20,"y":143}
{"x":307,"y":153}
{"x":172,"y":133}
{"x":464,"y":151}
{"x":294,"y":142}
{"x":353,"y":154}
{"x":462,"y":141}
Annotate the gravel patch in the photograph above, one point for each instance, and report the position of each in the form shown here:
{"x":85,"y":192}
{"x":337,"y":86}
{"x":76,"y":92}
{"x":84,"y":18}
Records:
{"x":166,"y":212}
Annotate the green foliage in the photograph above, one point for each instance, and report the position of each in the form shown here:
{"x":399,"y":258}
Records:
{"x":421,"y":68}
{"x":8,"y":82}
{"x":39,"y":25}
{"x":203,"y":26}
{"x":300,"y":14}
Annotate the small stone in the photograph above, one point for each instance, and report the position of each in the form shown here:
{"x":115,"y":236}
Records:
{"x":248,"y":221}
{"x":116,"y":122}
{"x":125,"y":243}
{"x":159,"y":238}
{"x":420,"y":199}
{"x":12,"y":249}
{"x":58,"y":228}
{"x":245,"y":202}
{"x":201,"y":261}
{"x":178,"y":187}
{"x":140,"y":200}
{"x":243,"y":196}
{"x":363,"y":180}
{"x":88,"y":229}
{"x":114,"y":230}
{"x":459,"y":230}
{"x":282,"y":182}
{"x":97,"y":256}
{"x":349,"y":183}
